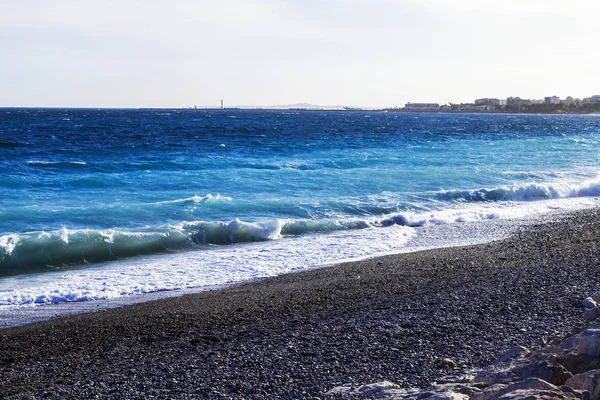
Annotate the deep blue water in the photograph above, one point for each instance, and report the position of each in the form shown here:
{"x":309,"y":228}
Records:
{"x":81,"y":186}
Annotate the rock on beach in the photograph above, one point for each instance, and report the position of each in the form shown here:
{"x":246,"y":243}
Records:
{"x":568,"y":371}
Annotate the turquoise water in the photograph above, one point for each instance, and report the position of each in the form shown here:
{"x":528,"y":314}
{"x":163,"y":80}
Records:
{"x":85,"y":192}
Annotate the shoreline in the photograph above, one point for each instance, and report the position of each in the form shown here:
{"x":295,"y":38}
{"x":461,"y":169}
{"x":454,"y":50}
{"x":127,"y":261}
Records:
{"x":445,"y":235}
{"x":299,"y":335}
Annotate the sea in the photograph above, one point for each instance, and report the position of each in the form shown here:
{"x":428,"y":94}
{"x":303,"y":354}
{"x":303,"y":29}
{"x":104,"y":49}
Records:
{"x":100,"y":204}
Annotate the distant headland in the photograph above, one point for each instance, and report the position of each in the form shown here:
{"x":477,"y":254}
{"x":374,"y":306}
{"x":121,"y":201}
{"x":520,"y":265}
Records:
{"x":547,"y":105}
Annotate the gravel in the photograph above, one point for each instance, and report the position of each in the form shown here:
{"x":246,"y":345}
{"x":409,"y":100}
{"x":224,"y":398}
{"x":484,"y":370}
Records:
{"x":394,"y":318}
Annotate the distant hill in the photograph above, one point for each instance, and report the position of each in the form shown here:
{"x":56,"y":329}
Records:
{"x":303,"y":106}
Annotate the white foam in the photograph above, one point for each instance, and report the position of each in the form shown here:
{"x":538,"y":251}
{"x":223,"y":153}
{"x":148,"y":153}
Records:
{"x":42,"y":162}
{"x":223,"y":265}
{"x":209,"y":198}
{"x":8,"y":243}
{"x":533,"y":191}
{"x":268,"y":230}
{"x":228,"y":264}
{"x":474,"y":212}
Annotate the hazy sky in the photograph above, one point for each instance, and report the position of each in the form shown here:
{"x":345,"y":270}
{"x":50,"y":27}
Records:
{"x":178,"y":53}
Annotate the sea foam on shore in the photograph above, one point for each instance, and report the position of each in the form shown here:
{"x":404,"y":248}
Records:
{"x":174,"y":274}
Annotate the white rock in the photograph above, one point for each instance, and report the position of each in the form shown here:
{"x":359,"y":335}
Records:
{"x":535,"y":394}
{"x":569,"y":342}
{"x":589,"y":302}
{"x":371,"y":389}
{"x":450,"y":395}
{"x":341,"y":390}
{"x":591,"y":314}
{"x":532,"y":388}
{"x":463,"y":387}
{"x":449,"y":363}
{"x":515,"y":352}
{"x":578,"y":380}
{"x":488,"y":391}
{"x":589,"y":341}
{"x":368,"y":390}
{"x":531,"y":383}
{"x":518,"y":369}
{"x":589,"y":381}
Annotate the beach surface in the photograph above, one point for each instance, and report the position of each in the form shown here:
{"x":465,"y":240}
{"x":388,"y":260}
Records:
{"x":299,"y":335}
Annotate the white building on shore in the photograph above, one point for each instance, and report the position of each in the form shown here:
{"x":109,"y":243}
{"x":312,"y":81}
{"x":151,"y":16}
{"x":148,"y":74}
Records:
{"x":490,"y":102}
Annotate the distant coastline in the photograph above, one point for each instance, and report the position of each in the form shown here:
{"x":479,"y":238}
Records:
{"x":511,"y":105}
{"x":442,"y":110}
{"x":515,"y":105}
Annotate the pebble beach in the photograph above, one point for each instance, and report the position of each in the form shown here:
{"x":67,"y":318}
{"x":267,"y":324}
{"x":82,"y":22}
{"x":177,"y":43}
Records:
{"x":397,"y":318}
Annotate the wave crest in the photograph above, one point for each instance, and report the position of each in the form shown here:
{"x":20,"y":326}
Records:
{"x":41,"y":251}
{"x":196,"y":199}
{"x":56,"y":164}
{"x":524,"y":192}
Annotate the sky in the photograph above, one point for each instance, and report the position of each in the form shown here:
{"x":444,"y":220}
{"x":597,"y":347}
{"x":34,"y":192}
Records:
{"x":367,"y":53}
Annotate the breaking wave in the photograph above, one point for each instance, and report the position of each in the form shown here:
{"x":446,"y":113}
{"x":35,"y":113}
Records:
{"x":56,"y":164}
{"x":524,"y":192}
{"x":22,"y":253}
{"x":42,"y":251}
{"x":209,"y":198}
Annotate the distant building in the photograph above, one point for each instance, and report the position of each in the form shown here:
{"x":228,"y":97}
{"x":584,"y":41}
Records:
{"x":489,"y":102}
{"x":517,"y":101}
{"x":514,"y":101}
{"x":552,"y":100}
{"x":421,"y":107}
{"x":595,"y":99}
